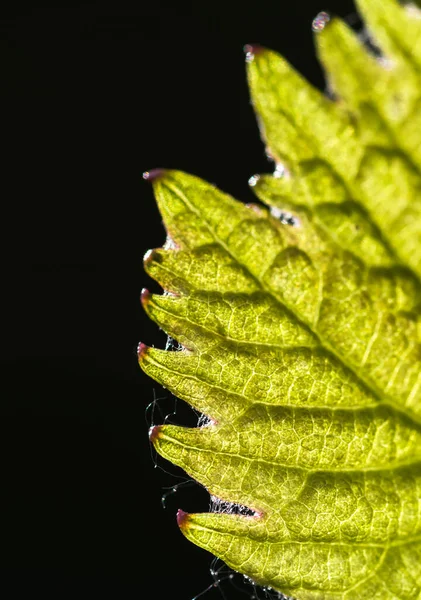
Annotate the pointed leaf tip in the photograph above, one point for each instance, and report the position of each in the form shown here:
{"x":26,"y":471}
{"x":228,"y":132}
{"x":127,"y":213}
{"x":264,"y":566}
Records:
{"x":252,"y":50}
{"x":145,"y":297}
{"x":141,"y":350}
{"x":154,"y":433}
{"x":182,"y":519}
{"x":153,"y":175}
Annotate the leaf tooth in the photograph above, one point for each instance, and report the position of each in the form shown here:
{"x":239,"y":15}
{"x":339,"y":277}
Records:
{"x":205,"y":318}
{"x":154,"y":433}
{"x":141,"y":350}
{"x":397,"y":29}
{"x":252,"y":50}
{"x":183,"y":225}
{"x":332,"y":441}
{"x":349,"y":507}
{"x":258,"y":485}
{"x":162,"y":266}
{"x":145,"y":296}
{"x":197,"y":214}
{"x":373,"y":507}
{"x":308,"y":571}
{"x":153,"y":174}
{"x":279,"y":94}
{"x":294,"y":377}
{"x":208,"y":268}
{"x":183,"y":519}
{"x":298,"y":121}
{"x":388,"y":87}
{"x":177,"y":372}
{"x":348,"y":77}
{"x":384,"y":96}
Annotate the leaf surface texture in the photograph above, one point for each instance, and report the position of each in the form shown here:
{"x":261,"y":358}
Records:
{"x":300,"y":326}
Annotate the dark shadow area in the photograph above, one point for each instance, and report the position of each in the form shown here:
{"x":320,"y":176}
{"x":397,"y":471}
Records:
{"x":92,"y":95}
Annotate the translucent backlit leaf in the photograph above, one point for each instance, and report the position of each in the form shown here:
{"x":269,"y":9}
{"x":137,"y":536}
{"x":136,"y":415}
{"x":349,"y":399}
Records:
{"x":300,"y":325}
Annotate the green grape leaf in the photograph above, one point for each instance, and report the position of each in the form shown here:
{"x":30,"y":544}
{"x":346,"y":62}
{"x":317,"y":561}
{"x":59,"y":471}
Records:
{"x":299,"y":322}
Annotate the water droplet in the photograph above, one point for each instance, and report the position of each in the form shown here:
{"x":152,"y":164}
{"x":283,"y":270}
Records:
{"x":153,"y":174}
{"x":251,"y":50}
{"x":413,"y":10}
{"x":148,"y":256}
{"x":169,"y":244}
{"x":284,"y":217}
{"x":386,"y":63}
{"x":249,"y":53}
{"x":253,"y":180}
{"x":319,"y":23}
{"x":280,"y":171}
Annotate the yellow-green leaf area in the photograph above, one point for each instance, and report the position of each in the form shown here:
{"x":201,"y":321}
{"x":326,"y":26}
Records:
{"x":299,"y":325}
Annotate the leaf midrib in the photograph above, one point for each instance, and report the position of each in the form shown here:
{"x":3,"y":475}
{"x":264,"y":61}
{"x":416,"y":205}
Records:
{"x":385,"y":546}
{"x":213,"y":333}
{"x":319,"y":471}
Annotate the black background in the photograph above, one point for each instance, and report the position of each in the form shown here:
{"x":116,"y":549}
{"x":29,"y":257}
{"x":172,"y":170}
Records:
{"x":92,"y":95}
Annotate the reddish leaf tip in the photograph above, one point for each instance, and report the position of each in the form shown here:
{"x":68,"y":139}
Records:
{"x":141,"y":350}
{"x":145,"y":296}
{"x":154,"y":433}
{"x":182,"y":519}
{"x":153,"y":175}
{"x":252,"y":50}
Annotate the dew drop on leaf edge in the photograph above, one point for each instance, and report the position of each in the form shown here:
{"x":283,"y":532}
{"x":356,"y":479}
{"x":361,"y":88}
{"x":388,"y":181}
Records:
{"x":320,"y":22}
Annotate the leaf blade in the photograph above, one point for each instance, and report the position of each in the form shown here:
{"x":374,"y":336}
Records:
{"x":302,"y":343}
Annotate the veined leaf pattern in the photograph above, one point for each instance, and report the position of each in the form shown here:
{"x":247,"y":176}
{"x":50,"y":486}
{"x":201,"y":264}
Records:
{"x":300,"y":324}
